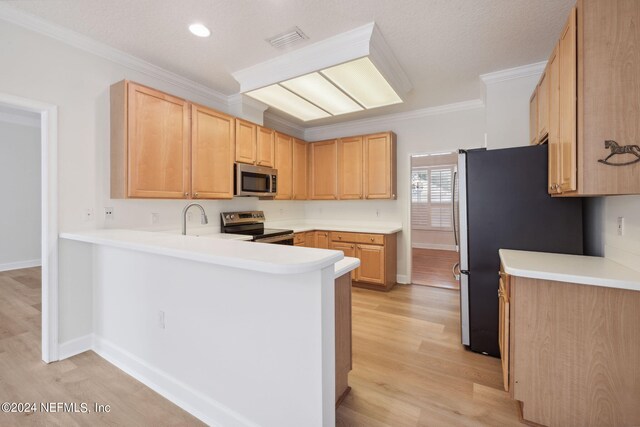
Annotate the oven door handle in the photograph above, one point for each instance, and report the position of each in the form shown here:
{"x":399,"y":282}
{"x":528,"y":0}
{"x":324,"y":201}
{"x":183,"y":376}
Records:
{"x":275,"y":238}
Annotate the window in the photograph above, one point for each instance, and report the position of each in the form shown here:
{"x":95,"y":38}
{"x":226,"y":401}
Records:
{"x":432,"y":197}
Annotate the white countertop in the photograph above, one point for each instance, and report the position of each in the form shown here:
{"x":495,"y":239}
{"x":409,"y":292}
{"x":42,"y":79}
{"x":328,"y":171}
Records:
{"x":585,"y":270}
{"x":346,"y":265}
{"x":299,"y":226}
{"x":264,"y":257}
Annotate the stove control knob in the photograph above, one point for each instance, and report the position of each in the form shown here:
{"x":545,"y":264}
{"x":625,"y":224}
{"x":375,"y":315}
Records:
{"x":232,"y":216}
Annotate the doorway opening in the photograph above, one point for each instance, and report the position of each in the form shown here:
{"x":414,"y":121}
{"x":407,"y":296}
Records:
{"x":29,"y":221}
{"x":433,"y":240}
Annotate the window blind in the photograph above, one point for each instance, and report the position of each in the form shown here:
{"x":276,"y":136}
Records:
{"x":432,"y":197}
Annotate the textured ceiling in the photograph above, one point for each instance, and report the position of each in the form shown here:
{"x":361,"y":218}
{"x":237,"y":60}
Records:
{"x":443,"y":45}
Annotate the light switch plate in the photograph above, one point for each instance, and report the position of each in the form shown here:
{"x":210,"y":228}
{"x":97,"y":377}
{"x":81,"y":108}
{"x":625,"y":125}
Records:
{"x":620,"y":226}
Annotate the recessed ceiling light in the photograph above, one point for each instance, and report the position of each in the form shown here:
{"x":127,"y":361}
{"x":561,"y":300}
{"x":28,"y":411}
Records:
{"x":199,"y":30}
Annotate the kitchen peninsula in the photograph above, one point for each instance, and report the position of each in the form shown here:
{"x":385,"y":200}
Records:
{"x":237,"y":333}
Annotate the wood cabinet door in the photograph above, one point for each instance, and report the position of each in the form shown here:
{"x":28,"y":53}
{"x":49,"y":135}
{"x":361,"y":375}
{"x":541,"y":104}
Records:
{"x":349,"y":249}
{"x":284,"y":165}
{"x":567,"y":57}
{"x":158,"y":144}
{"x":310,"y":239}
{"x":265,"y":152}
{"x":300,"y":170}
{"x":553,"y":72}
{"x":503,"y":326}
{"x":212,"y":152}
{"x":379,"y":166}
{"x":322,"y":239}
{"x":299,"y":239}
{"x":371,"y":268}
{"x":324,"y":170}
{"x":245,"y":142}
{"x":533,"y":118}
{"x":350,"y":165}
{"x":543,"y":107}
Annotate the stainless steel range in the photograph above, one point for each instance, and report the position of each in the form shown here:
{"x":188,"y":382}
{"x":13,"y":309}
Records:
{"x":252,"y":223}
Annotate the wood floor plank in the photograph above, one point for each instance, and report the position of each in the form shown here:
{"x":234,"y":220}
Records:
{"x":433,"y":267}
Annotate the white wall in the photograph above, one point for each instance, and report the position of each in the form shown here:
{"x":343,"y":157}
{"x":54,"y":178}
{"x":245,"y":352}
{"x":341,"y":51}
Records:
{"x":20,"y":218}
{"x":624,"y":249}
{"x":507,"y":109}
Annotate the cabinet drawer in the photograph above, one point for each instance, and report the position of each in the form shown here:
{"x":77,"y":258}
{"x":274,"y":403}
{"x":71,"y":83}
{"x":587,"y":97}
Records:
{"x":371,"y":239}
{"x":299,"y":239}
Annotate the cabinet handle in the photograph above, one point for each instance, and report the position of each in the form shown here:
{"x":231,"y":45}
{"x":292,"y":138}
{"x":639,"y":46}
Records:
{"x":352,"y":247}
{"x":186,"y":194}
{"x":195,"y":195}
{"x":339,"y":237}
{"x":372,"y":239}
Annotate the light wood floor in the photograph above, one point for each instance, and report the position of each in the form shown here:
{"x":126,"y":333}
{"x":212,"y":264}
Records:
{"x":434,"y":268}
{"x":409,"y":368}
{"x":84,"y":378}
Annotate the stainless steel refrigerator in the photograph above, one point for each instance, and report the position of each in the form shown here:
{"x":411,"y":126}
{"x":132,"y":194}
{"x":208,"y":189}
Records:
{"x":502,"y":202}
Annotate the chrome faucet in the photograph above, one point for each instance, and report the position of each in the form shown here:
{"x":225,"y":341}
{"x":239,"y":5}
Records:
{"x":203,"y":218}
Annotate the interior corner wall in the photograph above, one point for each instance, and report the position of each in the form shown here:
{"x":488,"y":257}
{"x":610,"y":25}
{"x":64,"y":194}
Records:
{"x":20,"y":186}
{"x":507,"y":111}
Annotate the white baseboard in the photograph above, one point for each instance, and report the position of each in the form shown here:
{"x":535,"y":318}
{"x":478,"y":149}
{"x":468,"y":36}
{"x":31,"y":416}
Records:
{"x":75,"y":346}
{"x":20,"y":264}
{"x":200,"y":406}
{"x":434,"y":246}
{"x":402,"y":279}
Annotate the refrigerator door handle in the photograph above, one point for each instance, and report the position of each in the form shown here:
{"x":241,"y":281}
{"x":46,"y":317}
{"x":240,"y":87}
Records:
{"x":453,"y":208}
{"x":453,"y":271}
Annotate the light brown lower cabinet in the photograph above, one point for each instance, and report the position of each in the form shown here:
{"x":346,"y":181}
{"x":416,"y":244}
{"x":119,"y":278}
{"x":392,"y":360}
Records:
{"x":322,"y":239}
{"x":572,"y":351}
{"x":343,"y":336}
{"x":299,"y":239}
{"x":377,"y":254}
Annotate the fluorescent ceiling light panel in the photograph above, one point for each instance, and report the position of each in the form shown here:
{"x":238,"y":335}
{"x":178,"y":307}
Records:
{"x":322,"y":93}
{"x":363,"y":82}
{"x":290,"y":103}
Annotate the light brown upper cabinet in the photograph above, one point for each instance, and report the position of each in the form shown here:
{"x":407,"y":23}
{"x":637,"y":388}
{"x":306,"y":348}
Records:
{"x":265,"y":152}
{"x":380,"y":166}
{"x":324,"y":170}
{"x":567,"y":107}
{"x":245,"y":142}
{"x":350,"y":168}
{"x":149,"y":143}
{"x":284,"y":165}
{"x":543,"y":108}
{"x":597,"y":110}
{"x":533,"y":118}
{"x":212,"y":153}
{"x":300,"y":169}
{"x":553,"y":138}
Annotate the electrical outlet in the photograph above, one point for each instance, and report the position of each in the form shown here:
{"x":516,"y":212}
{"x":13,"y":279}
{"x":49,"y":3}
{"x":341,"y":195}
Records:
{"x":155,"y":218}
{"x":161,"y":323}
{"x":108,"y":213}
{"x":378,"y":213}
{"x":88,"y":214}
{"x":620,"y":226}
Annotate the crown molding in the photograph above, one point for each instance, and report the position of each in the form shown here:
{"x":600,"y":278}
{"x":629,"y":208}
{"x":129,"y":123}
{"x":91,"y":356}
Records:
{"x":514,"y":73}
{"x":283,"y":125}
{"x":238,"y":99}
{"x":77,"y":40}
{"x":366,"y":40}
{"x":319,"y":132}
{"x":18,"y":119}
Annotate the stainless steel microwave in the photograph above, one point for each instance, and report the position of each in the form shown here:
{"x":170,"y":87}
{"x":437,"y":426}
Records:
{"x":253,"y":180}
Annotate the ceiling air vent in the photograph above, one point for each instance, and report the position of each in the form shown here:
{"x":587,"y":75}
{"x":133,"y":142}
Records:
{"x":288,"y":38}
